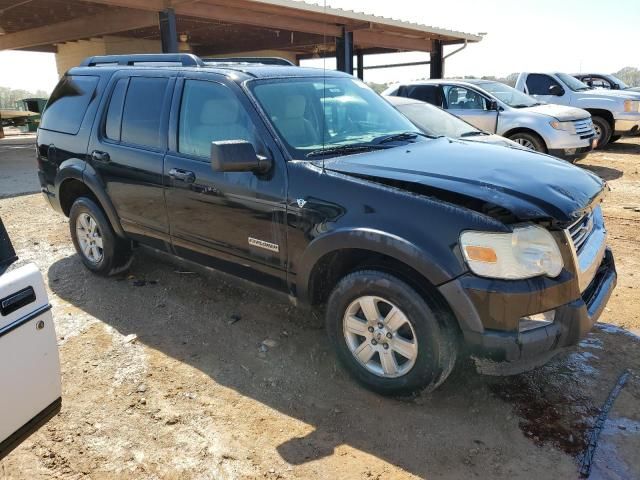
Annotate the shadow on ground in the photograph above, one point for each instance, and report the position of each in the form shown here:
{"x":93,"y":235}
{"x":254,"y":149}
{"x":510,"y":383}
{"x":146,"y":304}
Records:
{"x":193,"y":318}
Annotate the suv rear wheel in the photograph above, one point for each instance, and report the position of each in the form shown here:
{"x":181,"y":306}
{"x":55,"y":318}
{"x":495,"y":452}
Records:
{"x":390,"y":338}
{"x":100,"y":249}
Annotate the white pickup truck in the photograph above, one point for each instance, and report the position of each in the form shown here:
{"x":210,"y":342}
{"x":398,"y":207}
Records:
{"x":615,"y":114}
{"x":30,"y":391}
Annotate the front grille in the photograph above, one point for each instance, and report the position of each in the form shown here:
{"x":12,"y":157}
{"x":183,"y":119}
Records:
{"x":584,"y":128}
{"x":580,"y":230}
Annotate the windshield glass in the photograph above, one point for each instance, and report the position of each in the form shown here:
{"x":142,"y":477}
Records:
{"x":612,"y":79}
{"x":572,"y":82}
{"x":434,"y":121}
{"x":340,"y":115}
{"x":508,"y":95}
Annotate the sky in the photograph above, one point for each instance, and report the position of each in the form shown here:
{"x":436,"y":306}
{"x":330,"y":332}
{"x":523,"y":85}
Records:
{"x":562,"y":35}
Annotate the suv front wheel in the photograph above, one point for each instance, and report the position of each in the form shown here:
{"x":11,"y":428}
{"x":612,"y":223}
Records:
{"x":100,"y":249}
{"x":390,"y":338}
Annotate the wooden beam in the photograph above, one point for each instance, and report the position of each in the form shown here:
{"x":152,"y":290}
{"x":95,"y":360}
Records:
{"x":246,"y":17}
{"x":149,"y":5}
{"x":84,"y":27}
{"x":367,"y":38}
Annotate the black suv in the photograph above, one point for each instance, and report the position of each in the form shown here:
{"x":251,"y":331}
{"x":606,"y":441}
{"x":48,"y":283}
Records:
{"x":309,"y":182}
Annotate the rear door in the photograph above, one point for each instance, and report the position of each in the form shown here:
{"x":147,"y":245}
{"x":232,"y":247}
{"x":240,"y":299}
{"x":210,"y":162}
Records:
{"x":471,"y":106}
{"x":30,"y":391}
{"x":127,"y":150}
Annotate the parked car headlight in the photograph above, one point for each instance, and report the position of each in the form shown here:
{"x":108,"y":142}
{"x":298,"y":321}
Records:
{"x":566,"y":126}
{"x":529,"y":251}
{"x":631,"y":106}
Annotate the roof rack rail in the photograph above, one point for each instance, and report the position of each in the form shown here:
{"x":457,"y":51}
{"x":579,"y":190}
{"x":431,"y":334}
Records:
{"x":185,"y":59}
{"x":262,"y":60}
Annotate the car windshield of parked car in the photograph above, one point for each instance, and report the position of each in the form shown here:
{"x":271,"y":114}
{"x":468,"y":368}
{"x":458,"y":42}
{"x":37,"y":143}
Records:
{"x":616,"y":80}
{"x":435,"y":121}
{"x":509,"y":95}
{"x":572,"y":82}
{"x":331,"y":116}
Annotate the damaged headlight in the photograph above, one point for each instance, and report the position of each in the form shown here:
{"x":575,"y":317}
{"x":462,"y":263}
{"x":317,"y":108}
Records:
{"x":529,"y":251}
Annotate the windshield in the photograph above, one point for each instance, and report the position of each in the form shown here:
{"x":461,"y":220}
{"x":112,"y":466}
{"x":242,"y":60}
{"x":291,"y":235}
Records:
{"x":621,"y":84}
{"x":508,"y":95}
{"x":434,"y":121}
{"x":336,"y":115}
{"x":572,"y":82}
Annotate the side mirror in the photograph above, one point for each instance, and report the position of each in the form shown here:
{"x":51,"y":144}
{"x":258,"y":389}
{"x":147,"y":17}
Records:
{"x":493,"y":105}
{"x":556,"y":90}
{"x":237,"y":156}
{"x":615,"y":86}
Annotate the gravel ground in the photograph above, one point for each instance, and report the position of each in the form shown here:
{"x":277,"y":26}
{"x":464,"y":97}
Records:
{"x":166,"y":375}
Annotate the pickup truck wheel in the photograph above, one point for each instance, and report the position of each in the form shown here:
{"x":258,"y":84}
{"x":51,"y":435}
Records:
{"x":100,"y":249}
{"x":603,"y":131}
{"x":390,"y":338}
{"x":529,"y":140}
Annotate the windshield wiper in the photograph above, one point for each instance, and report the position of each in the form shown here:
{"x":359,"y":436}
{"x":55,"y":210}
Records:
{"x":398,"y":137}
{"x":344,"y":150}
{"x":473,"y":133}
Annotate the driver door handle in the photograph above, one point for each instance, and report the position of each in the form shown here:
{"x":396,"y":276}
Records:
{"x":98,"y":156}
{"x":182,"y":175}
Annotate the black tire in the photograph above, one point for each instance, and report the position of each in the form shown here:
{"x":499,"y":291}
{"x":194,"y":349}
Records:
{"x":435,"y":334}
{"x":526,"y":139}
{"x":116,"y":254}
{"x":615,"y":138}
{"x":605,"y":129}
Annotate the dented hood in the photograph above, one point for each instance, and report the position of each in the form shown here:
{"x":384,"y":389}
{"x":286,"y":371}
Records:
{"x":527,"y":184}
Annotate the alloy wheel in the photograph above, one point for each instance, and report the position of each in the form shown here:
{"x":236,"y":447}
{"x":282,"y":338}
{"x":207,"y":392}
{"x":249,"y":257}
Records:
{"x":380,"y":336}
{"x":525,"y":143}
{"x":90,"y":238}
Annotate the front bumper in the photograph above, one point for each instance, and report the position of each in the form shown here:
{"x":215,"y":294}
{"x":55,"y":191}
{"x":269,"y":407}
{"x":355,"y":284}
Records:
{"x":499,"y":304}
{"x":627,"y":125}
{"x":571,"y":153}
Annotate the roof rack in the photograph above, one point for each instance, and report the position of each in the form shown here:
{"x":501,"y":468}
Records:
{"x":185,"y":59}
{"x":247,"y":60}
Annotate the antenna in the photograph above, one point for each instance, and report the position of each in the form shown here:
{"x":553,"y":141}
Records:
{"x":324,"y":85}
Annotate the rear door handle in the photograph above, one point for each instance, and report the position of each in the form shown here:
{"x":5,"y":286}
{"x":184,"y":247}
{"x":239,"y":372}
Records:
{"x":183,"y":175}
{"x":16,"y":301}
{"x":99,"y":156}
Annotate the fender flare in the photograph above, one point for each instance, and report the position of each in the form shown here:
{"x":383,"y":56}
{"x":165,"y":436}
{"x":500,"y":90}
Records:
{"x":75,"y":169}
{"x":367,"y":239}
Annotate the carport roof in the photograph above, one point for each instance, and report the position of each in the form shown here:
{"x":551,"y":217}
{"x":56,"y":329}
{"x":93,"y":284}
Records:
{"x":215,"y":26}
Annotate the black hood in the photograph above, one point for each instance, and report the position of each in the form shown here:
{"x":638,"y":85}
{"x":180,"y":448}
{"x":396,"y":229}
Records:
{"x":527,"y":184}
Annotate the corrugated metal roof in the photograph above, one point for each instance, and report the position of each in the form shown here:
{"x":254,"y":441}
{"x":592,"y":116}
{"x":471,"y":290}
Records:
{"x":365,"y":17}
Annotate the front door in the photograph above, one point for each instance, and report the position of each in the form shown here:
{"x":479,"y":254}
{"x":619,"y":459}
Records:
{"x":540,"y":86}
{"x":470,"y":106}
{"x":127,"y":151}
{"x":234,"y":221}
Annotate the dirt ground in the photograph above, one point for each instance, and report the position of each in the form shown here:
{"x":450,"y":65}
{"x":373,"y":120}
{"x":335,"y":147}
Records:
{"x":166,"y":376}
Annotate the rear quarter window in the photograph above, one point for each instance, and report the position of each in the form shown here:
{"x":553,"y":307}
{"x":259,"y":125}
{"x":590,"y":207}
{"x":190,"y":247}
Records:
{"x":142,"y":111}
{"x":68,"y":103}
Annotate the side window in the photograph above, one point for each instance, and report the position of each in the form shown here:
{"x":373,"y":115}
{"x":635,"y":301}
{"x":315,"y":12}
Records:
{"x":142,"y":110}
{"x":211,"y":112}
{"x":539,"y":84}
{"x":68,"y":103}
{"x":599,"y":82}
{"x":460,"y":98}
{"x":114,"y":113}
{"x":425,"y":93}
